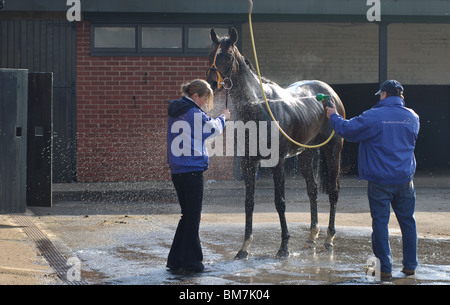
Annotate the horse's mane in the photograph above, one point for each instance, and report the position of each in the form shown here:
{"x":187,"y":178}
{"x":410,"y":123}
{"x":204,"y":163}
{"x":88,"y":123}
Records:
{"x":250,"y":66}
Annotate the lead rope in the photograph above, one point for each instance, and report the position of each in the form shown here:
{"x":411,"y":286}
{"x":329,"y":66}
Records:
{"x":250,"y":2}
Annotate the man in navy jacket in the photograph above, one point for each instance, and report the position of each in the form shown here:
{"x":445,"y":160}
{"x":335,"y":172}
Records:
{"x":387,"y":134}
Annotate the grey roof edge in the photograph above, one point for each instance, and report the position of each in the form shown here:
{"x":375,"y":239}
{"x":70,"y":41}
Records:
{"x":431,"y":8}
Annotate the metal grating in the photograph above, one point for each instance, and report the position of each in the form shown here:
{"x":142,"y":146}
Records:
{"x":52,"y":254}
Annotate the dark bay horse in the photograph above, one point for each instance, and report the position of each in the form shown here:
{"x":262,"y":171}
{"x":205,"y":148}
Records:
{"x":299,"y":114}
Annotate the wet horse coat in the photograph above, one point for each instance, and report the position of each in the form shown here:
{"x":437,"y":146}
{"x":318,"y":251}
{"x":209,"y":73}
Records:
{"x":299,"y":114}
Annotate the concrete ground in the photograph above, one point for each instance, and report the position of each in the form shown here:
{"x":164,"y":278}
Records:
{"x":21,"y":263}
{"x":122,"y":232}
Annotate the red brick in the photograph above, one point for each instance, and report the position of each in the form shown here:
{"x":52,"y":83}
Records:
{"x":116,"y":139}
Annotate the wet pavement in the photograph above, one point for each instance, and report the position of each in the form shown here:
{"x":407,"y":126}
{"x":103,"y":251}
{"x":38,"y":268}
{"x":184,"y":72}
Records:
{"x":127,"y":242}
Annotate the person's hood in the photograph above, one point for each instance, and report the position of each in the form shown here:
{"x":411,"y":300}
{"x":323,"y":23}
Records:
{"x":181,"y":106}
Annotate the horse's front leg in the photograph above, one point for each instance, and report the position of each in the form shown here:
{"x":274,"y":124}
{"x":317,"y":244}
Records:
{"x":249,"y":167}
{"x":280,"y":204}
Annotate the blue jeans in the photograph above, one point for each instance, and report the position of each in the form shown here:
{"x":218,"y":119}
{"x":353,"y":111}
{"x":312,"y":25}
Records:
{"x":402,"y":197}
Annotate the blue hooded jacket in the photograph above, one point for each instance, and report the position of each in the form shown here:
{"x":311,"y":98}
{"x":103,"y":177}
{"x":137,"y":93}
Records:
{"x":387,"y":134}
{"x":188,"y":126}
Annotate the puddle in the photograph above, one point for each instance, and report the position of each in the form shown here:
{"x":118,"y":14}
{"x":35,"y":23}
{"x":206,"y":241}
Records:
{"x":142,"y":260}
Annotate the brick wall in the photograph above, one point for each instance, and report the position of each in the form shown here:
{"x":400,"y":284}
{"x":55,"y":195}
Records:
{"x":121,"y":139}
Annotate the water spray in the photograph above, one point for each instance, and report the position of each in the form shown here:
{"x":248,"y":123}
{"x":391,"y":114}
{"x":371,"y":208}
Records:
{"x":320,"y":97}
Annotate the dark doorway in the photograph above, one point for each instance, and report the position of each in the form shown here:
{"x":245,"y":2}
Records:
{"x":430,"y":102}
{"x":39,"y":140}
{"x":48,"y":46}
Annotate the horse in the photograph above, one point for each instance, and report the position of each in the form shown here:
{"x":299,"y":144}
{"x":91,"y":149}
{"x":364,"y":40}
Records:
{"x":300,"y":115}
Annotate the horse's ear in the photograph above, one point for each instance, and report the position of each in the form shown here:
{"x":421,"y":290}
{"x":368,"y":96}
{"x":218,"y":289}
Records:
{"x":214,"y":36}
{"x":234,"y":36}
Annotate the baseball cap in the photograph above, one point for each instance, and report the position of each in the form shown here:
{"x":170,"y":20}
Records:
{"x":390,"y":86}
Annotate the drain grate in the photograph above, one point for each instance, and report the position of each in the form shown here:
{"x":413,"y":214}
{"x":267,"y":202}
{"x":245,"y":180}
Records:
{"x":52,"y":254}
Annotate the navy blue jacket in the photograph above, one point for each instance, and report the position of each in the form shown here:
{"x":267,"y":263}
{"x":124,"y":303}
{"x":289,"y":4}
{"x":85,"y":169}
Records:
{"x":188,"y":127}
{"x":387,"y":134}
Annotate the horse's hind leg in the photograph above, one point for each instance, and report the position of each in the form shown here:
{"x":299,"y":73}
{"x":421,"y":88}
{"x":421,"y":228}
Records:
{"x":249,"y":167}
{"x":280,"y":204}
{"x":332,"y":153}
{"x":305,"y":161}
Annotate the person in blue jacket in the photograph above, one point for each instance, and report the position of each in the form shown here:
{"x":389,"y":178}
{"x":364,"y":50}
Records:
{"x":187,"y":129}
{"x":387,"y":134}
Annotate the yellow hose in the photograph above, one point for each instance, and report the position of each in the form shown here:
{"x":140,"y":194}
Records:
{"x":250,"y":2}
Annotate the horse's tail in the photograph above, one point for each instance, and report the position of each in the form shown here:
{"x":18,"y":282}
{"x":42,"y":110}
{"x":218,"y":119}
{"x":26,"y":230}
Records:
{"x":326,"y":182}
{"x":324,"y":177}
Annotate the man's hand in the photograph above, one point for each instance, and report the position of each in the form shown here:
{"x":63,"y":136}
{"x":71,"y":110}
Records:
{"x":330,"y":111}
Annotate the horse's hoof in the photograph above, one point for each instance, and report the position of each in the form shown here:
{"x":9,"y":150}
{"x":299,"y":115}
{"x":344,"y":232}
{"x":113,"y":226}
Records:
{"x":327,"y":247}
{"x":282,"y":253}
{"x":310,"y":244}
{"x":242,"y":255}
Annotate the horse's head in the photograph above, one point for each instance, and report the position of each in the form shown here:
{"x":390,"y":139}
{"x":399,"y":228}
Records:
{"x":222,"y":60}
